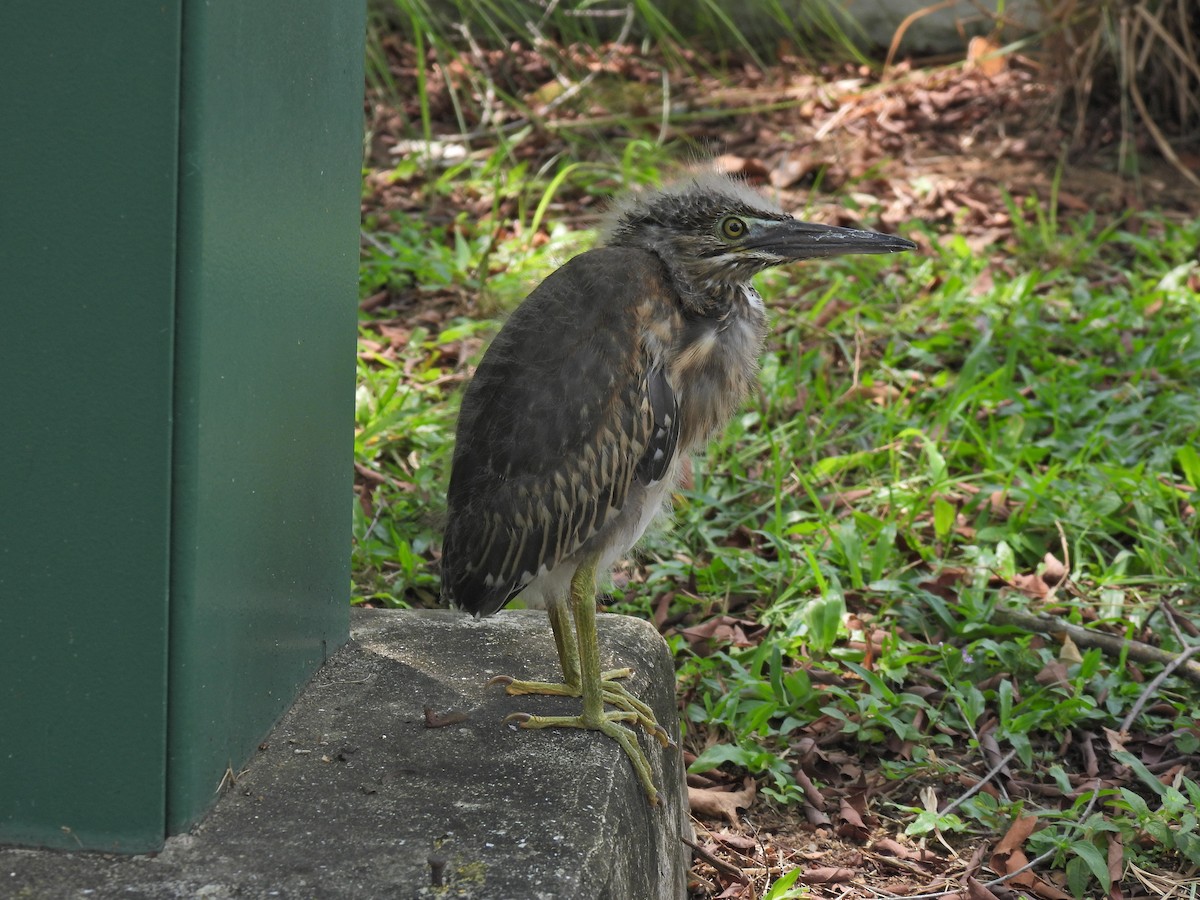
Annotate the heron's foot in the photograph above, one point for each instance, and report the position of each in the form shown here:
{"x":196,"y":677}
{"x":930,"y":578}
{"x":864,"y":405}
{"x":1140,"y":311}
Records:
{"x":609,"y":724}
{"x":613,"y":692}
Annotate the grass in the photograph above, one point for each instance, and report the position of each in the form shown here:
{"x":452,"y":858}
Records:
{"x":932,"y":434}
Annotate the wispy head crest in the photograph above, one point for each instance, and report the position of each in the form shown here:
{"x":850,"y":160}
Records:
{"x":701,"y":195}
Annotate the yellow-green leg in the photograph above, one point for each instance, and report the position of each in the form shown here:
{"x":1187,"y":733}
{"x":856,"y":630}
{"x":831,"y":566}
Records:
{"x":579,"y":655}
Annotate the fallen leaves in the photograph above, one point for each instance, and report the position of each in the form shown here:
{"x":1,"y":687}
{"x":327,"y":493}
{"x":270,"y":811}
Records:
{"x":1008,"y":858}
{"x":718,"y":803}
{"x":726,"y":631}
{"x":855,"y":823}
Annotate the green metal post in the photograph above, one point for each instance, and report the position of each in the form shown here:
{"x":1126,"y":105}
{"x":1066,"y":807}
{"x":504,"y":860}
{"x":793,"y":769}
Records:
{"x":89,"y":145}
{"x":268,"y":250}
{"x":176,"y":396}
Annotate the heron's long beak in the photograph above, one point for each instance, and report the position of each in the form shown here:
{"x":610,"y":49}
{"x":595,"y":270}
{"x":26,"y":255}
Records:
{"x":796,"y":240}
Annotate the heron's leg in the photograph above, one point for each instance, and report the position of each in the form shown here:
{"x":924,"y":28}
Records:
{"x":583,"y":610}
{"x":614,"y":694}
{"x":559,"y":611}
{"x":564,"y":640}
{"x":593,"y":687}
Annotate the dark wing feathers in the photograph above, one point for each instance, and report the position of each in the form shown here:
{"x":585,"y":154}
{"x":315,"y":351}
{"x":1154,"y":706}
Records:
{"x":664,"y":431}
{"x":564,"y":412}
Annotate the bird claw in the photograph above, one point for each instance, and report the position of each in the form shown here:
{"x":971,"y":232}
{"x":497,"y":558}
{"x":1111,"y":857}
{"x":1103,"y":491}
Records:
{"x":517,"y":718}
{"x":629,"y":707}
{"x":660,"y":734}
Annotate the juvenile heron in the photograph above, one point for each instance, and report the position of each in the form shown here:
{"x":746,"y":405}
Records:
{"x":573,"y":430}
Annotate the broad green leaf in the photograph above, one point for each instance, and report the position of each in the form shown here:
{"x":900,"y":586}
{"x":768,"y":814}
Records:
{"x":1095,"y":861}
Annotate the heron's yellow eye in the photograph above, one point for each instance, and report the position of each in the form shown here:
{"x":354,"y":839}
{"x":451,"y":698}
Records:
{"x":733,"y":228}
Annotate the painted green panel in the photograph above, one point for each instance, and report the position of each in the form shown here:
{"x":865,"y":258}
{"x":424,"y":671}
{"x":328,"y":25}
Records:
{"x":268,"y":258}
{"x":88,"y":139}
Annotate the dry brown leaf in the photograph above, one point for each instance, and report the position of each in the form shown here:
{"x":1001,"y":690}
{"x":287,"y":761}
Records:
{"x":811,"y":792}
{"x":969,"y":782}
{"x":1054,"y":672}
{"x":998,"y":504}
{"x":737,"y":841}
{"x":1069,"y":652}
{"x":891,"y":847}
{"x":1116,"y":740}
{"x":721,"y":804}
{"x":1046,"y":890}
{"x":852,"y":825}
{"x":1009,"y":857}
{"x":1014,"y":839}
{"x":721,"y":630}
{"x":1091,"y":765}
{"x":827,"y":875}
{"x":741,"y":166}
{"x":1116,"y":865}
{"x":1031,"y":585}
{"x":792,"y":169}
{"x":984,"y":284}
{"x":1053,"y":571}
{"x":984,"y":56}
{"x":1071,"y":201}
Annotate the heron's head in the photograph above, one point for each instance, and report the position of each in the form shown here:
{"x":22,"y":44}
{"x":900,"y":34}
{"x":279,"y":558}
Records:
{"x":714,"y":233}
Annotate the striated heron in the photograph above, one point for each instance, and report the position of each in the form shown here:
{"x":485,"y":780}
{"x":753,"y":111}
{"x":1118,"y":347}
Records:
{"x":573,"y":430}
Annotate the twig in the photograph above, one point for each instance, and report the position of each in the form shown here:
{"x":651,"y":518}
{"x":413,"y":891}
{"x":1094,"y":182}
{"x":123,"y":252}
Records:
{"x":970,"y":792}
{"x":1160,"y":139}
{"x":1066,"y":561}
{"x":387,"y":251}
{"x":719,"y":864}
{"x":571,"y":89}
{"x":1013,"y":874}
{"x":488,"y":100}
{"x":1152,"y":688}
{"x":1163,"y":608}
{"x":666,"y":107}
{"x":1110,"y":644}
{"x":898,"y":36}
{"x":1083,"y":817}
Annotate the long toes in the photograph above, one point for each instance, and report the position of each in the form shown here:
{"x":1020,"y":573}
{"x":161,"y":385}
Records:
{"x":637,"y":757}
{"x":616,"y":695}
{"x":621,"y":716}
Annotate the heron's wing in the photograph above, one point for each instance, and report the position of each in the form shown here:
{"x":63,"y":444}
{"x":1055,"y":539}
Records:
{"x":664,"y":429}
{"x":568,"y":409}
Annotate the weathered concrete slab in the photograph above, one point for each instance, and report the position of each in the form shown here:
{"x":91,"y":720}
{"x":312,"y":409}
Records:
{"x":353,"y":795}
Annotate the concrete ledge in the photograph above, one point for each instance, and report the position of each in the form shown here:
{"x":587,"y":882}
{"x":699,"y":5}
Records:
{"x":355,"y":796}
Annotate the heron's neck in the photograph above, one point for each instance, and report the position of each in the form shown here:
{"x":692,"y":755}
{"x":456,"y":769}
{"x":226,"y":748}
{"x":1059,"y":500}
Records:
{"x":714,"y":364}
{"x":711,"y":298}
{"x":735,"y":307}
